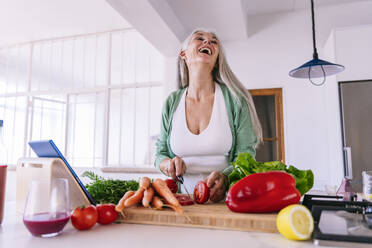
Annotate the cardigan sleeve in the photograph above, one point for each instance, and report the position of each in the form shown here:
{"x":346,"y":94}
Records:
{"x":246,"y":139}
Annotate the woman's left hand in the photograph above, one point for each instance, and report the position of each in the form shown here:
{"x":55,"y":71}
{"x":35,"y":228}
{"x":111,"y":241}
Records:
{"x":216,"y":182}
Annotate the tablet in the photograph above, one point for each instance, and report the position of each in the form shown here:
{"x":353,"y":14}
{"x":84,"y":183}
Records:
{"x":48,"y":149}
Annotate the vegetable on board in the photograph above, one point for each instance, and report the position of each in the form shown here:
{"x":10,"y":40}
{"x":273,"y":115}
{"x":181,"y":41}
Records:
{"x":134,"y":199}
{"x":245,"y":165}
{"x":201,"y":192}
{"x":172,"y":185}
{"x":157,"y":203}
{"x":147,"y":197}
{"x":263,"y":192}
{"x":145,"y":182}
{"x":162,"y":188}
{"x":184,"y":200}
{"x":120,"y":206}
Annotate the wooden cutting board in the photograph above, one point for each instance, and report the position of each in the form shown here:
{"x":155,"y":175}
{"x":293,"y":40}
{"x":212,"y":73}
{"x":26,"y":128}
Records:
{"x":215,"y":216}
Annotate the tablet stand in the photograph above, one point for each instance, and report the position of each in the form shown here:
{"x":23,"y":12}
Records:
{"x":29,"y":169}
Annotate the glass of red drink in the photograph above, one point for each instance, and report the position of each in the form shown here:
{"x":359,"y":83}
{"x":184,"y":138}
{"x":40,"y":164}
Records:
{"x":3,"y":169}
{"x":47,"y":209}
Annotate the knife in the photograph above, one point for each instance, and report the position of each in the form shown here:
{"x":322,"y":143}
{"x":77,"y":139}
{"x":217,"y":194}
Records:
{"x":181,"y":180}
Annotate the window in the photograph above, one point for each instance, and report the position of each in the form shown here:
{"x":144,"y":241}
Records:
{"x":97,"y":96}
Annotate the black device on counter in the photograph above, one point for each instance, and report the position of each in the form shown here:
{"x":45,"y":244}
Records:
{"x":340,"y":223}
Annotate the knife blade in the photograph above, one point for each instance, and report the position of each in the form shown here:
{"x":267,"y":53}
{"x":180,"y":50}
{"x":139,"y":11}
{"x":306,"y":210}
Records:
{"x":181,"y":180}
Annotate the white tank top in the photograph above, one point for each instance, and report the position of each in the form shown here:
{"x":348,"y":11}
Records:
{"x":208,"y":150}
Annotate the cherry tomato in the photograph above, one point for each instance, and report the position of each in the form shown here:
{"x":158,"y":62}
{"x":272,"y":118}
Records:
{"x":83,"y":218}
{"x":201,"y":192}
{"x":172,"y":185}
{"x":106,"y":213}
{"x":184,"y":200}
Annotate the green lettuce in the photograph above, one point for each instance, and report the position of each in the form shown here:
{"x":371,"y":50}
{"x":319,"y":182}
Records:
{"x":245,"y":165}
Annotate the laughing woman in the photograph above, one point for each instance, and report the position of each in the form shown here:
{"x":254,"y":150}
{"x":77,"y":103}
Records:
{"x":209,"y":120}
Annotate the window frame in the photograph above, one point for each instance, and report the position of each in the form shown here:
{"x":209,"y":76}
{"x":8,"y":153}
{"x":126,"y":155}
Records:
{"x":105,"y":89}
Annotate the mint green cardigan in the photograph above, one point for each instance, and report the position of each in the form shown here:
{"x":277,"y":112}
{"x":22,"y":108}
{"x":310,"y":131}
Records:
{"x":244,"y":138}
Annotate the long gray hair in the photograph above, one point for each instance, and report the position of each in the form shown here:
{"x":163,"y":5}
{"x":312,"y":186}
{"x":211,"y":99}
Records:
{"x":222,"y":74}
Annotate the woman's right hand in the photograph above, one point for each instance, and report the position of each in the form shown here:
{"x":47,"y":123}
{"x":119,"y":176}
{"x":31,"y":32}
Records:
{"x":173,"y":167}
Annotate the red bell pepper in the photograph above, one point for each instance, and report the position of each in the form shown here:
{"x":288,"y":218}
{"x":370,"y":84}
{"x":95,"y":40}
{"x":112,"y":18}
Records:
{"x":263,"y":192}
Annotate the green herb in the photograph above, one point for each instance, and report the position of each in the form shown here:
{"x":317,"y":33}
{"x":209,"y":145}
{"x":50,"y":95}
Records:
{"x":108,"y":190}
{"x":245,"y":165}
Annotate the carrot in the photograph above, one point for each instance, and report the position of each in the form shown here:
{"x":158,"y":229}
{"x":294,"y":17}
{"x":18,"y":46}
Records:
{"x":134,"y":199}
{"x":177,"y":209}
{"x":157,"y":203}
{"x":161,"y":187}
{"x":145,"y":182}
{"x":120,"y":206}
{"x":147,"y":197}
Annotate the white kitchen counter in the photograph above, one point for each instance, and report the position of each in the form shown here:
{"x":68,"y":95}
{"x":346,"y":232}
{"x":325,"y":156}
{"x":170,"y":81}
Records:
{"x":13,"y":234}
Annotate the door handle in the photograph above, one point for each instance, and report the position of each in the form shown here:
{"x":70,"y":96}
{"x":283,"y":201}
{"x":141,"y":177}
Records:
{"x":349,"y":167}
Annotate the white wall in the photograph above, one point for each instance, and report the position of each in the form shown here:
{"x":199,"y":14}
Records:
{"x":354,"y":50}
{"x":281,"y":42}
{"x":170,"y":75}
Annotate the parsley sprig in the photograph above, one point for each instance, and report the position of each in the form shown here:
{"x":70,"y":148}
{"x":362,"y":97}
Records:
{"x":108,"y":190}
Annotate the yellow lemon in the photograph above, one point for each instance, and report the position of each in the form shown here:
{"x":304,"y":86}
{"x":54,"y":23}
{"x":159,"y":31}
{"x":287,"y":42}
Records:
{"x":295,"y":222}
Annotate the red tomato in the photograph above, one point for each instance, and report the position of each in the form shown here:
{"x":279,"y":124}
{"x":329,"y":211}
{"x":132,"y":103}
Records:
{"x":83,"y":218}
{"x":106,"y":213}
{"x":172,"y":185}
{"x":201,"y":192}
{"x":184,"y":200}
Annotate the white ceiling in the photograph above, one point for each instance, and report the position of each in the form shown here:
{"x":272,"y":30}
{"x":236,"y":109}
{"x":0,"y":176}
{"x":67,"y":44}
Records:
{"x":216,"y":14}
{"x":168,"y":22}
{"x":231,"y":16}
{"x":157,"y":20}
{"x":258,"y":7}
{"x":28,"y":20}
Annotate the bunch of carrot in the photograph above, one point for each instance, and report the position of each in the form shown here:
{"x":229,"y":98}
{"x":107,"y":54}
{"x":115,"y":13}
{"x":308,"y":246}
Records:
{"x":146,"y":195}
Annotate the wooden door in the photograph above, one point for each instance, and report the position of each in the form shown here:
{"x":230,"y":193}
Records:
{"x":269,"y":106}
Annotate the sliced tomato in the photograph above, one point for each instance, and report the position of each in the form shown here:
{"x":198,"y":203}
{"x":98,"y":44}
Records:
{"x":172,"y":185}
{"x":184,"y":200}
{"x":201,"y":192}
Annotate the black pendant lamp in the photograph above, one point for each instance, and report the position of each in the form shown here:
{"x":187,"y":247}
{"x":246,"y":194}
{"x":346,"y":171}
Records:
{"x":316,"y":67}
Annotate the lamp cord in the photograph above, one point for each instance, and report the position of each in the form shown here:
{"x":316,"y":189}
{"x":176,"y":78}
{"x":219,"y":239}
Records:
{"x":315,"y":54}
{"x":324,"y":77}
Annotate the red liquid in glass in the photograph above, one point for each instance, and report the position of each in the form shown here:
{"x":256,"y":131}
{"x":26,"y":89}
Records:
{"x":46,"y":223}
